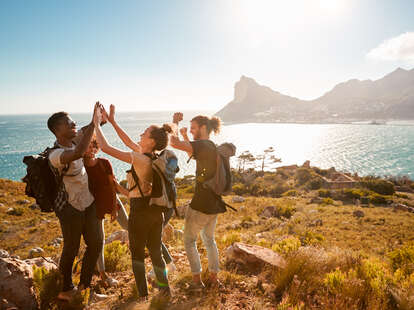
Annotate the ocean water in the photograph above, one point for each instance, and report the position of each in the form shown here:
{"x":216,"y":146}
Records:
{"x":366,"y":149}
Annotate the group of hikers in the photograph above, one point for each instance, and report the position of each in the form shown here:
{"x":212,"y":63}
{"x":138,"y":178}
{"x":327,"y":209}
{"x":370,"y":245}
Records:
{"x":88,"y":190}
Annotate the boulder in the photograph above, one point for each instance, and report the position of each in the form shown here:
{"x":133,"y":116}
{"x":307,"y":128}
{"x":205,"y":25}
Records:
{"x":46,"y":262}
{"x":4,"y":254}
{"x":120,"y":235}
{"x":268,"y":212}
{"x":167,"y":233}
{"x":36,"y":252}
{"x":358,"y":213}
{"x":401,"y":207}
{"x":16,"y":283}
{"x":254,"y":255}
{"x":306,"y":164}
{"x":237,"y":199}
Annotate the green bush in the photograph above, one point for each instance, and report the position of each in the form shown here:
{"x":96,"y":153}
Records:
{"x":116,"y":257}
{"x":290,"y":193}
{"x":403,"y":259}
{"x":354,"y":193}
{"x":324,"y":193}
{"x":311,"y":238}
{"x":239,"y":189}
{"x":287,"y":245}
{"x":314,"y":183}
{"x":379,"y":186}
{"x":230,"y":238}
{"x":327,"y":201}
{"x":47,"y":285}
{"x":334,"y":281}
{"x":377,"y":198}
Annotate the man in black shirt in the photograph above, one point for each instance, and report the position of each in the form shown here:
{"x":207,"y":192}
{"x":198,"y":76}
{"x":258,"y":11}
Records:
{"x":202,"y":214}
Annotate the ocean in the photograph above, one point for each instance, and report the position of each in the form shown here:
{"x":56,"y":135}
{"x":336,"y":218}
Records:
{"x":363,"y":148}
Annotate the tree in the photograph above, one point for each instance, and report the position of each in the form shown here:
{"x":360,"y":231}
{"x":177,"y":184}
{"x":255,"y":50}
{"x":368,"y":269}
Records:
{"x":267,"y":158}
{"x":245,"y":158}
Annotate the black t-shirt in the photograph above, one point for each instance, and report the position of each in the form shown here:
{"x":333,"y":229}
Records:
{"x":204,"y":152}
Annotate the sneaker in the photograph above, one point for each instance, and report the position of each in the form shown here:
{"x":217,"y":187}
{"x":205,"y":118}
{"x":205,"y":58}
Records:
{"x":95,"y":297}
{"x":196,"y":286}
{"x":67,"y":295}
{"x":112,"y":282}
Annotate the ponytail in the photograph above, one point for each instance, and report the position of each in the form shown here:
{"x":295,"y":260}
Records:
{"x":212,"y":124}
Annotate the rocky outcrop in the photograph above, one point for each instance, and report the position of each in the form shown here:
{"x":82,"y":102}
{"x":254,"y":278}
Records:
{"x":120,"y":235}
{"x":254,"y":255}
{"x":16,"y":283}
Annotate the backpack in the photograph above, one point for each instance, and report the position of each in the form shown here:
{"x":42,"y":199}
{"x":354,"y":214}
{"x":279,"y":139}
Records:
{"x":221,"y":182}
{"x":164,"y":169}
{"x":42,"y":182}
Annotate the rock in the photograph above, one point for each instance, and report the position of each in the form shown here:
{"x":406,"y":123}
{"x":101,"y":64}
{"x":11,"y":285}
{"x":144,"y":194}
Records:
{"x":167,"y":233}
{"x":401,"y":207}
{"x":2,"y":195}
{"x":35,"y":252}
{"x":10,"y":211}
{"x":254,"y":255}
{"x":22,"y":202}
{"x":120,"y":235}
{"x":247,"y":224}
{"x":15,"y":256}
{"x":4,"y":254}
{"x":16,"y":283}
{"x":306,"y":164}
{"x":316,"y":200}
{"x":358,"y":213}
{"x":313,"y":211}
{"x":242,"y":208}
{"x":315,"y":223}
{"x":237,"y":199}
{"x":46,"y":262}
{"x":268,"y":212}
{"x":34,"y":206}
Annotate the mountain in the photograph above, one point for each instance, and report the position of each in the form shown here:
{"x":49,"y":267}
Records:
{"x":391,"y":97}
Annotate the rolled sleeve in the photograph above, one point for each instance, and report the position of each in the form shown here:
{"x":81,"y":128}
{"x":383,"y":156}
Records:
{"x":54,"y":158}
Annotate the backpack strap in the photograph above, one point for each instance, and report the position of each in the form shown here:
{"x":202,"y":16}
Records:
{"x":219,"y":198}
{"x":136,"y":180}
{"x":165,"y":181}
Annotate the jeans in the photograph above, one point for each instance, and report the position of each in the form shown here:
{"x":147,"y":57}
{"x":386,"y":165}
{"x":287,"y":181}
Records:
{"x":122,"y":219}
{"x":198,"y":222}
{"x":74,"y":224}
{"x":165,"y":253}
{"x":145,"y":230}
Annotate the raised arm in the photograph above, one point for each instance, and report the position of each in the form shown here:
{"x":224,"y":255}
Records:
{"x":175,"y":141}
{"x":83,"y":143}
{"x":109,"y":149}
{"x":120,"y":132}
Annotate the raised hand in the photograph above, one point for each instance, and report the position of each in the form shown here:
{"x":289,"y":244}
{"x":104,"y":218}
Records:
{"x":104,"y":115}
{"x":96,"y":119}
{"x":177,"y":117}
{"x":183,"y":131}
{"x":111,"y":117}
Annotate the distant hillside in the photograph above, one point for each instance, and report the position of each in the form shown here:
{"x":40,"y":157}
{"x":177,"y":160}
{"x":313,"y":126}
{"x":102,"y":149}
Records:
{"x":391,"y":97}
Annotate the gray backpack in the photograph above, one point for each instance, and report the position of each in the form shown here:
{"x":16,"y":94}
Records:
{"x":221,"y":182}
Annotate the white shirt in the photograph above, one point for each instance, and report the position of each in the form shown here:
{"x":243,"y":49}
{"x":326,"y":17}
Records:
{"x":75,"y":179}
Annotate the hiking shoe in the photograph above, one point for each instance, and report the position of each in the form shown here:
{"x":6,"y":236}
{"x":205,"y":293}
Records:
{"x":112,"y":282}
{"x":67,"y":295}
{"x":95,"y":297}
{"x":196,"y":286}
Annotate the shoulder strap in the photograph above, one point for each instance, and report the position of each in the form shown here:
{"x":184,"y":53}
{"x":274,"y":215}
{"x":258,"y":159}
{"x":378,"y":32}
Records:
{"x":136,"y":179}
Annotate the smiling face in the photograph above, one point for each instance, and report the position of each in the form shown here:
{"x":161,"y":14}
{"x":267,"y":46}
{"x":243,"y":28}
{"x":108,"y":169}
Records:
{"x":196,"y":130}
{"x":66,"y":127}
{"x":92,"y":150}
{"x":146,"y":142}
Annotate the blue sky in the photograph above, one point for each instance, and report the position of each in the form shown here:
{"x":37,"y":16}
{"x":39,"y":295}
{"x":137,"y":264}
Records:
{"x":187,"y":55}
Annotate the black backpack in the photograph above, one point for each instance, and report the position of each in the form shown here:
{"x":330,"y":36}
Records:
{"x":42,"y":183}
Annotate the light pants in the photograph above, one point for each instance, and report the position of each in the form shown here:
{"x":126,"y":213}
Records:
{"x":122,"y":219}
{"x":197,"y":222}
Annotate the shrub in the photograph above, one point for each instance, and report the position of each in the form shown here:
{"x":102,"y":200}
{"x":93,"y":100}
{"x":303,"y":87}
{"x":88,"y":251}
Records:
{"x":291,"y":192}
{"x":377,"y":198}
{"x":311,"y":238}
{"x":231,"y":238}
{"x":327,"y":201}
{"x":354,"y":193}
{"x":402,"y":259}
{"x":47,"y":284}
{"x":116,"y":257}
{"x":324,"y":193}
{"x":314,"y":183}
{"x":285,"y":210}
{"x":276,"y":190}
{"x":303,"y":175}
{"x":379,"y":186}
{"x":239,"y":189}
{"x":287,"y":245}
{"x":16,"y":211}
{"x":334,"y":281}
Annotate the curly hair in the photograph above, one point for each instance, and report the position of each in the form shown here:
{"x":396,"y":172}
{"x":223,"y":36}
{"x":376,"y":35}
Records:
{"x":212,"y":124}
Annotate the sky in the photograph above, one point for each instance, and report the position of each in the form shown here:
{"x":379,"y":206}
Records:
{"x":188,"y":54}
